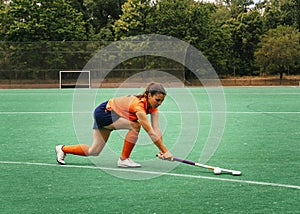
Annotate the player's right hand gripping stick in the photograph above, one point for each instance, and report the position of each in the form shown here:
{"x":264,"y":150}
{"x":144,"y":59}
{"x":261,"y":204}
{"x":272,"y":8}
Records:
{"x":166,"y":156}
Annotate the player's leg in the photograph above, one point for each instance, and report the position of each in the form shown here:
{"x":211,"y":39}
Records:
{"x":129,"y":141}
{"x":131,"y":137}
{"x":102,"y":117}
{"x":100,"y":137}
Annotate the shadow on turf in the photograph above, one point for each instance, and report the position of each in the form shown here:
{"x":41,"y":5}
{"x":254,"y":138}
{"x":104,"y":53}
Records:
{"x":177,"y":170}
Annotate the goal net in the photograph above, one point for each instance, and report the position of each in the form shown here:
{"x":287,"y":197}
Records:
{"x":74,"y":79}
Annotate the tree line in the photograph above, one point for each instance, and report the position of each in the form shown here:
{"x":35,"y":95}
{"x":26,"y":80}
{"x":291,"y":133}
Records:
{"x":237,"y":36}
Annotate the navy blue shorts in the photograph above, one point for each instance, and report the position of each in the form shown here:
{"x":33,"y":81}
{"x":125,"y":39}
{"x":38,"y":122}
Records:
{"x":103,"y":117}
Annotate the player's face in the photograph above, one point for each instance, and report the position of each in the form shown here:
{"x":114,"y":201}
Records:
{"x":155,"y":100}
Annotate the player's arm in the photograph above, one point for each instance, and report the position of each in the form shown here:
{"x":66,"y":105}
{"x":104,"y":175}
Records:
{"x":155,"y":124}
{"x":157,"y":139}
{"x":142,"y":117}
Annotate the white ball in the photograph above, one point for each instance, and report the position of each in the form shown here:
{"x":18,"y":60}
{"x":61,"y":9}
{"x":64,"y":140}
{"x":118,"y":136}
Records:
{"x":217,"y":171}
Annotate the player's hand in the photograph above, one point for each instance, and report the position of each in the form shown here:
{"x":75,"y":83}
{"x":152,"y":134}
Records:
{"x":166,"y":156}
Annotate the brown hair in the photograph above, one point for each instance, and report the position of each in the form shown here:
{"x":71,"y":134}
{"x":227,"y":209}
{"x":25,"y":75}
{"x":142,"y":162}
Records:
{"x":153,"y":88}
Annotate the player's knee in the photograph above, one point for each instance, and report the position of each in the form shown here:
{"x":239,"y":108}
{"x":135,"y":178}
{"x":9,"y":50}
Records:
{"x":94,"y":152}
{"x":136,"y":126}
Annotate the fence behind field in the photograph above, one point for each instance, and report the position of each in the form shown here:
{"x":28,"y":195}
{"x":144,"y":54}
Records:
{"x":37,"y":65}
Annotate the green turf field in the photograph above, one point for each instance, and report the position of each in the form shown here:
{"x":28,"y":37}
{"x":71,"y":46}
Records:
{"x":261,"y":138}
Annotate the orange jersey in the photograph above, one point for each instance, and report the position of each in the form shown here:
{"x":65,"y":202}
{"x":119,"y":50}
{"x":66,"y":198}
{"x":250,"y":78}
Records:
{"x":127,"y":106}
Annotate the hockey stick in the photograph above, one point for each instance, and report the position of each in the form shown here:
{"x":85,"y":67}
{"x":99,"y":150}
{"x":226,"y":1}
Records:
{"x":217,"y":170}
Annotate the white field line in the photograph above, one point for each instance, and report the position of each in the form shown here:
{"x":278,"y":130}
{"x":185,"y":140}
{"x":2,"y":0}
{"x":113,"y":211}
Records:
{"x":156,"y":173}
{"x":164,"y":112}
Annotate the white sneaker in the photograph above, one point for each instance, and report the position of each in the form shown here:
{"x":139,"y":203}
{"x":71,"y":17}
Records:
{"x":127,"y":163}
{"x":60,"y":155}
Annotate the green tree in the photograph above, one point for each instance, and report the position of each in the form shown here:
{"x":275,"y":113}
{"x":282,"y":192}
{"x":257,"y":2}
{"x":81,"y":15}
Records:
{"x":204,"y":31}
{"x":236,"y":7}
{"x":279,"y":50}
{"x":245,"y":32}
{"x":171,"y":17}
{"x":100,"y":16}
{"x":133,"y":20}
{"x":53,"y":20}
{"x":28,"y":30}
{"x":281,"y":12}
{"x":184,"y":19}
{"x":3,"y":19}
{"x":222,"y":13}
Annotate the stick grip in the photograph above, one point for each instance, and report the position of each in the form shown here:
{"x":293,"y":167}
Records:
{"x":184,"y":161}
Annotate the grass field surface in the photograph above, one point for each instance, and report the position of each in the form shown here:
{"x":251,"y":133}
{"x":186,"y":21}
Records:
{"x":261,"y":138}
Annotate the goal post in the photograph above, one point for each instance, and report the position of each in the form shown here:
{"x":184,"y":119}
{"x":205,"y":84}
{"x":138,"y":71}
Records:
{"x":74,"y":79}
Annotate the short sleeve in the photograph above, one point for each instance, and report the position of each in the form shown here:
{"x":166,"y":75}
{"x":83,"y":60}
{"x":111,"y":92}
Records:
{"x":137,"y":105}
